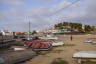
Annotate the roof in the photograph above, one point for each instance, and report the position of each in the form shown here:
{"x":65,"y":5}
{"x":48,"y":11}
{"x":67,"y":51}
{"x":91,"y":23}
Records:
{"x":51,"y":29}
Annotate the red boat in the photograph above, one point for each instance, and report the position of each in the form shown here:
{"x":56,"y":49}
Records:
{"x":39,"y":45}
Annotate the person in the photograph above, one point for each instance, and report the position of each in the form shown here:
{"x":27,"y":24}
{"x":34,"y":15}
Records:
{"x":71,"y":37}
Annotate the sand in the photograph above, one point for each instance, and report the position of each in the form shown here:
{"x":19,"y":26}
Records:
{"x":65,"y":52}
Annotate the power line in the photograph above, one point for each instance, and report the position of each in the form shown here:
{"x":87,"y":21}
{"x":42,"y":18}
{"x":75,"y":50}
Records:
{"x":65,"y":7}
{"x":62,"y":9}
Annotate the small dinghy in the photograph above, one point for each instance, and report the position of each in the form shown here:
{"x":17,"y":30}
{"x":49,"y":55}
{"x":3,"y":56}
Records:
{"x":88,"y":41}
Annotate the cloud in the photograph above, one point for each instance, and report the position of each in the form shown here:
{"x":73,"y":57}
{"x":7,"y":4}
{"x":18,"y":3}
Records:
{"x":12,"y":2}
{"x":39,"y":17}
{"x":58,"y":7}
{"x":87,"y":15}
{"x":82,"y":12}
{"x":49,"y":11}
{"x":43,"y":0}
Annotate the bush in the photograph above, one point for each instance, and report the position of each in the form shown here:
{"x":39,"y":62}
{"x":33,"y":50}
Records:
{"x":69,"y":44}
{"x":59,"y":61}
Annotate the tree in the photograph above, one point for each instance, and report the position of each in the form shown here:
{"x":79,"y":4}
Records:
{"x":87,"y":28}
{"x":34,"y":32}
{"x":65,"y":23}
{"x":56,"y":26}
{"x":71,"y":25}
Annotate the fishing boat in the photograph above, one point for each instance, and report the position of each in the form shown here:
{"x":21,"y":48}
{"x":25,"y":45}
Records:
{"x":51,"y":41}
{"x":57,"y":43}
{"x":38,"y":45}
{"x":49,"y":37}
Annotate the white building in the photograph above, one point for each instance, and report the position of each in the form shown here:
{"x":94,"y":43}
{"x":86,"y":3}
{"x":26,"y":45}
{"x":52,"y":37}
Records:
{"x":6,"y":32}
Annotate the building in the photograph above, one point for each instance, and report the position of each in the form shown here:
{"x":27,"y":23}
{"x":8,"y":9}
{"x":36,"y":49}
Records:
{"x":6,"y":32}
{"x":53,"y":30}
{"x":6,"y":38}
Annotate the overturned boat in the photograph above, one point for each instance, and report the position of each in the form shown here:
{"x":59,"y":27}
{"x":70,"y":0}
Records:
{"x":38,"y":45}
{"x":81,"y":55}
{"x":15,"y":57}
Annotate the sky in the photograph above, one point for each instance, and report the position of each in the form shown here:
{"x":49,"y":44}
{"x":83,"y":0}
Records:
{"x":16,"y":14}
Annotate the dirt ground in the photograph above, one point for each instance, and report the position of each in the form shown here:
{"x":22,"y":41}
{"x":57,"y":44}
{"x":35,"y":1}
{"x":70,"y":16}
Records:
{"x":65,"y":52}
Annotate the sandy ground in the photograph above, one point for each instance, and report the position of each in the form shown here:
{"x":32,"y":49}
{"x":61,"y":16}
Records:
{"x":66,"y":51}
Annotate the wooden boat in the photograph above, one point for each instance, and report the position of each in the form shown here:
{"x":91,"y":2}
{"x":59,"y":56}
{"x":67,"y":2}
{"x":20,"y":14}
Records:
{"x":39,"y":45}
{"x":15,"y":57}
{"x":53,"y":42}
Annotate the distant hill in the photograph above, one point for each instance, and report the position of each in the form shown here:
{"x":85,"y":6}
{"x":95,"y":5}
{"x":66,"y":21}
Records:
{"x":78,"y":27}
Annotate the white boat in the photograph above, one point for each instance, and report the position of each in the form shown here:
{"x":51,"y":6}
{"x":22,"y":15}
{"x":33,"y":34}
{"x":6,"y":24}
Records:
{"x":58,"y":43}
{"x":84,"y":55}
{"x":19,"y":48}
{"x":49,"y":37}
{"x":88,"y":41}
{"x":1,"y":60}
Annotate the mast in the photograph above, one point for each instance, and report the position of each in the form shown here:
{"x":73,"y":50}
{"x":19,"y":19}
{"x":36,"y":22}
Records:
{"x":29,"y":32}
{"x":29,"y":26}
